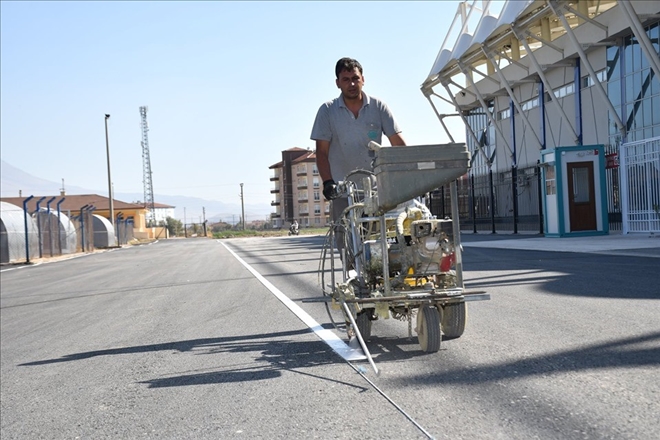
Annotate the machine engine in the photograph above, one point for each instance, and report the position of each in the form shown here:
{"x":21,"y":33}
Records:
{"x":422,"y":249}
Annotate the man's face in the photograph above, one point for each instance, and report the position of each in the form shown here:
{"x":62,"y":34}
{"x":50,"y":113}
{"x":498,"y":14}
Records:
{"x":350,"y":82}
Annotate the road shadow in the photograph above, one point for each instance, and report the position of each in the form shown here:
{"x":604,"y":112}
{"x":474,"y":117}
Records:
{"x":273,"y":354}
{"x":638,"y":351}
{"x":563,"y":273}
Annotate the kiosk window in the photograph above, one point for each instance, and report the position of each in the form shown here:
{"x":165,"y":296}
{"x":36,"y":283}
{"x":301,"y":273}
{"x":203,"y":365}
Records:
{"x":550,"y":183}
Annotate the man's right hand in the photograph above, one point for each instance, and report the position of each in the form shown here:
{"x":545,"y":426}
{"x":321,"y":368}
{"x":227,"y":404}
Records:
{"x":330,"y":190}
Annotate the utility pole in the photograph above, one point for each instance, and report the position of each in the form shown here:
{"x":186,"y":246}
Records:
{"x":204,"y":222}
{"x":185,"y":230}
{"x":242,"y":207}
{"x":107,"y":151}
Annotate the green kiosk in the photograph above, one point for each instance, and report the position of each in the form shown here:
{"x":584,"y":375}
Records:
{"x":574,"y":191}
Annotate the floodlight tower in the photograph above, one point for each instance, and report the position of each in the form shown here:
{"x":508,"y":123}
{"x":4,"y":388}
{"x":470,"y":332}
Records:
{"x":146,"y":169}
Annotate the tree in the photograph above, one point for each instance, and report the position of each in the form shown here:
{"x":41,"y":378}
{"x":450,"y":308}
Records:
{"x":174,"y":226}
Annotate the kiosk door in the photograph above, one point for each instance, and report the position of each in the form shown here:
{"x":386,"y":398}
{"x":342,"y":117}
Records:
{"x":581,"y":197}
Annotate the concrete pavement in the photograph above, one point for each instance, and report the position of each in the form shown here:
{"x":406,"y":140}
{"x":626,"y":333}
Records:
{"x":638,"y":244}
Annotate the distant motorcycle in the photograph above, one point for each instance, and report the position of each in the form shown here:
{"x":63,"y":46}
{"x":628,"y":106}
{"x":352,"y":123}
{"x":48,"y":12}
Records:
{"x":293,"y":229}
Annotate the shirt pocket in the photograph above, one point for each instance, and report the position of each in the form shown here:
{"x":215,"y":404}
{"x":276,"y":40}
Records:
{"x":373,"y":130}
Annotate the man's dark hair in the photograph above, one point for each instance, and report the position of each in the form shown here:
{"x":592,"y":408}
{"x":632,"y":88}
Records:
{"x":347,"y":64}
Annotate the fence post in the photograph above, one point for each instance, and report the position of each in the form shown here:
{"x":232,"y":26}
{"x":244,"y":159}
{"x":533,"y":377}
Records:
{"x":540,"y":195}
{"x":514,"y":188}
{"x":82,"y":227}
{"x":59,"y":223}
{"x":50,"y":225}
{"x":90,"y":227}
{"x":492,"y":200}
{"x":39,"y":226}
{"x":472,"y":205}
{"x":25,"y":222}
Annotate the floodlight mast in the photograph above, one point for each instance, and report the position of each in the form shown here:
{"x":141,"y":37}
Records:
{"x":146,"y":170}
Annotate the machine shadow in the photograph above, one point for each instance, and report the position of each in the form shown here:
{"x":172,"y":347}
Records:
{"x":210,"y":344}
{"x":274,"y":353}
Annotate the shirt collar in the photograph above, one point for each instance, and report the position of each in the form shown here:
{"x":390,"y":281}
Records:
{"x":365,"y":100}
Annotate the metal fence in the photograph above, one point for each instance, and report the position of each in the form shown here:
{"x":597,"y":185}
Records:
{"x":56,"y":234}
{"x":47,"y":233}
{"x":124,"y":229}
{"x":487,"y":203}
{"x":640,"y":175}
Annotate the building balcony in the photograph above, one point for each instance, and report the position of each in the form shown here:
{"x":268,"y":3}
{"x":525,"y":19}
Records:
{"x":275,"y":191}
{"x":302,"y":186}
{"x":303,"y":200}
{"x":274,"y":178}
{"x":275,"y":203}
{"x":275,"y":215}
{"x":303,"y":214}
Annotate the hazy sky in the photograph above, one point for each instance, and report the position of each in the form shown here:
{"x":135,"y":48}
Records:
{"x":229,"y":85}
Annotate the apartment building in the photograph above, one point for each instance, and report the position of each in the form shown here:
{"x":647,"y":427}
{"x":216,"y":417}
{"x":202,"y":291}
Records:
{"x":298,"y":191}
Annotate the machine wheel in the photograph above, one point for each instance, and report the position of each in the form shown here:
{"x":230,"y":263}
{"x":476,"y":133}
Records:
{"x":453,"y":321}
{"x":428,"y":329}
{"x":363,"y":322}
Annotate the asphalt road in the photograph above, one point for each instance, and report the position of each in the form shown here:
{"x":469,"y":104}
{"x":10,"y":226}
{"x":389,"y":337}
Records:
{"x":179,"y":339}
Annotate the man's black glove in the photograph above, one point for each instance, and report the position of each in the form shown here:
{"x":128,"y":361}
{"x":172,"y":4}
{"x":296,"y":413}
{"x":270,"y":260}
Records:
{"x":330,"y":190}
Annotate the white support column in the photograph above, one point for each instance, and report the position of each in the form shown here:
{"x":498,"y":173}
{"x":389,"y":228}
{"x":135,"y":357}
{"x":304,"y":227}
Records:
{"x":463,"y":89}
{"x":642,"y":37}
{"x":545,"y":42}
{"x":467,"y":125}
{"x":509,"y":90}
{"x":545,"y":81}
{"x":512,"y":61}
{"x":440,"y":118}
{"x":448,"y":101}
{"x":592,"y":73}
{"x":485,"y":106}
{"x":484,"y":76}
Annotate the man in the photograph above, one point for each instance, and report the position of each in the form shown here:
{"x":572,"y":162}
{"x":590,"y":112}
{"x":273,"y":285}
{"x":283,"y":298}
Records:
{"x":344,"y":127}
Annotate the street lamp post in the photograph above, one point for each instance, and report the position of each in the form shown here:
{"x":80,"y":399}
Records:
{"x":107,"y":150}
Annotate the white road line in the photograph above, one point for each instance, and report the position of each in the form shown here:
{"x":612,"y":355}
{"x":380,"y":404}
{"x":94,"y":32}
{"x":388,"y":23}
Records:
{"x":327,"y":336}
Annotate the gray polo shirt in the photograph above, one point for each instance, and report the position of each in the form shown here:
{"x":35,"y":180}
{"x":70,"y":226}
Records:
{"x":349,"y":136}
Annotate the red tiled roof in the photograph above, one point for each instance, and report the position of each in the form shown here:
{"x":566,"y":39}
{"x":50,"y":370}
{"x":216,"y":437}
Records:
{"x":309,"y":157}
{"x":72,"y":202}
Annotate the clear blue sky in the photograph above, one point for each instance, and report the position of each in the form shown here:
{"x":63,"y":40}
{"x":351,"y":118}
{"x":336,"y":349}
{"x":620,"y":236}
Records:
{"x":229,"y":85}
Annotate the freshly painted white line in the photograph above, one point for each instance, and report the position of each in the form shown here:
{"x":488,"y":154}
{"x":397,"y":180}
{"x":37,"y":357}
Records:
{"x":327,"y":336}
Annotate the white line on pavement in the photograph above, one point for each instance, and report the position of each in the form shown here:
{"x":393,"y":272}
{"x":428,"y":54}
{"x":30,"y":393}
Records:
{"x":327,"y":336}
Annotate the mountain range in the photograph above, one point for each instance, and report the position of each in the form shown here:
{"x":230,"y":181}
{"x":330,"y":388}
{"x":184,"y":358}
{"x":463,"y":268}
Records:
{"x":15,"y":182}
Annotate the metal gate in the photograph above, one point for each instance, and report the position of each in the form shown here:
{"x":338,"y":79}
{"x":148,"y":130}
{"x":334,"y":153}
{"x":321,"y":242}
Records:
{"x":640,"y":185}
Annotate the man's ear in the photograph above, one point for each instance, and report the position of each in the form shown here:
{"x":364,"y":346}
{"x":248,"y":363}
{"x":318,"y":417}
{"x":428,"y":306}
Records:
{"x":337,"y":82}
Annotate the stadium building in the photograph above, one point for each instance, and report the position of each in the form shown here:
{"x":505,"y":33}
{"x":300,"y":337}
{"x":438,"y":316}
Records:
{"x":561,"y":105}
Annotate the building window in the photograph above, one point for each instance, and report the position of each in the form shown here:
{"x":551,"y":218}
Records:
{"x":588,"y":82}
{"x":317,"y":209}
{"x":315,"y":170}
{"x":315,"y":182}
{"x":565,"y":90}
{"x":530,"y":104}
{"x":317,"y":196}
{"x":504,"y":114}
